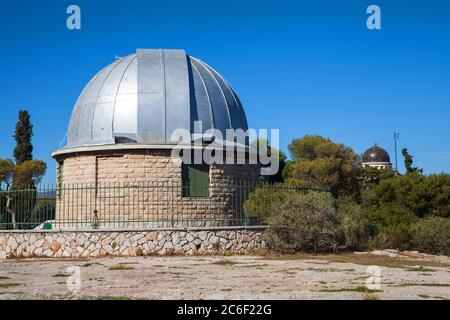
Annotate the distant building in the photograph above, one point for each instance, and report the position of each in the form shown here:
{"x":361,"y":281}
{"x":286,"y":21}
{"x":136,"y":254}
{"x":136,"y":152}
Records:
{"x":376,"y":157}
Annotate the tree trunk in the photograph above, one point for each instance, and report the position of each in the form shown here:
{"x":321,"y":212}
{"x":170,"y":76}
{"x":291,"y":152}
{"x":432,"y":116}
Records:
{"x":11,"y":212}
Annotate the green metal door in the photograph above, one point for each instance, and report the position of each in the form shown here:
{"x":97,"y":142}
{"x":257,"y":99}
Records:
{"x":195,"y":180}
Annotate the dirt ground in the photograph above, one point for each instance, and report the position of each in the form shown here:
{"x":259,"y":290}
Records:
{"x":230,"y":278}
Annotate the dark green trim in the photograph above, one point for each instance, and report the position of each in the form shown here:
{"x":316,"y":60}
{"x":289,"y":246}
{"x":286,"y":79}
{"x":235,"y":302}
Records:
{"x":195,"y":180}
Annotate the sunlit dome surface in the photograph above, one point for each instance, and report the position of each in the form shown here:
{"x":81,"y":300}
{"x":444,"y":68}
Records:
{"x":376,"y":154}
{"x":142,"y":98}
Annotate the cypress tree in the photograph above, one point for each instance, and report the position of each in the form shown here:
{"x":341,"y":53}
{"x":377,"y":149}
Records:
{"x":23,"y":135}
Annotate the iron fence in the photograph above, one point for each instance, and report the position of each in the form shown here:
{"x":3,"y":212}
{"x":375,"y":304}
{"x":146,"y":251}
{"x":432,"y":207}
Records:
{"x":131,"y":206}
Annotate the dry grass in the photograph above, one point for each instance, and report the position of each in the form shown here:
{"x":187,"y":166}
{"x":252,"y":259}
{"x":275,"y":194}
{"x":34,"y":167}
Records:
{"x":420,"y":269}
{"x":361,"y":259}
{"x":361,"y":289}
{"x":421,"y":284}
{"x":120,"y":267}
{"x":90,"y":264}
{"x":8,"y":285}
{"x":60,"y":275}
{"x":225,"y":262}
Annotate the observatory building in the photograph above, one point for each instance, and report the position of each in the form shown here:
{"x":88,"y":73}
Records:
{"x":120,"y":142}
{"x":376,"y":157}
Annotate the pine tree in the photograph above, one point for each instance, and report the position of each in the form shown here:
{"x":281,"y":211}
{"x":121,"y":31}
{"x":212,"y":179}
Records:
{"x":24,"y":132}
{"x":409,"y":162}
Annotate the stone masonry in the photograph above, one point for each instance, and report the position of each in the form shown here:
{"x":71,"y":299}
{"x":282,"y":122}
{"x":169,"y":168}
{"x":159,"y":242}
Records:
{"x":72,"y":244}
{"x":101,"y":181}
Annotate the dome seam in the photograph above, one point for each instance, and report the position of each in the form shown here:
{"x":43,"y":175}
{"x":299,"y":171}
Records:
{"x":98,"y":95}
{"x":236,"y":100}
{"x":86,"y":89}
{"x":117,"y":92}
{"x":221,"y":90}
{"x":213,"y":125}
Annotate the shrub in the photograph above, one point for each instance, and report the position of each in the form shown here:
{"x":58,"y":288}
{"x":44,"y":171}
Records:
{"x":260,"y":202}
{"x":302,"y":222}
{"x":423,"y":195}
{"x":392,"y":227}
{"x":432,"y":235}
{"x":355,"y":224}
{"x":44,"y":210}
{"x":392,"y":237}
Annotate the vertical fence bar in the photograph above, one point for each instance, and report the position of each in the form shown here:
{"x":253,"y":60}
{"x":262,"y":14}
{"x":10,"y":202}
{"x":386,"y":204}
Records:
{"x":119,"y":205}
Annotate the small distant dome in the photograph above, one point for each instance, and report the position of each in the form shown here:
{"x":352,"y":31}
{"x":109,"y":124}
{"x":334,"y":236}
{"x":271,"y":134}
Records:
{"x":376,"y":157}
{"x":376,"y":154}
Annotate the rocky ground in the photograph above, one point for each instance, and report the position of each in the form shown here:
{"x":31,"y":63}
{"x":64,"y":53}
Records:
{"x":403,"y":276}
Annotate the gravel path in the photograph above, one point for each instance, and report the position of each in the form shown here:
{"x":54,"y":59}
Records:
{"x":237,"y":277}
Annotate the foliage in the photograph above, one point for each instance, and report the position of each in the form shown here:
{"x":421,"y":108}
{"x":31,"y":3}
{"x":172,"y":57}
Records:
{"x":392,"y":227}
{"x":438,"y":187}
{"x":260,"y":202}
{"x":409,"y":162}
{"x":18,"y":180}
{"x":320,"y":163}
{"x":20,"y":175}
{"x":44,"y":210}
{"x":355,"y":223}
{"x":3,"y":214}
{"x":30,"y":209}
{"x":305,"y":148}
{"x":375,"y":208}
{"x":303,"y":222}
{"x":371,"y":176}
{"x":263,"y":146}
{"x":432,"y":235}
{"x":24,"y":132}
{"x":29,"y":173}
{"x":287,"y":170}
{"x":422,"y":195}
{"x":6,"y":171}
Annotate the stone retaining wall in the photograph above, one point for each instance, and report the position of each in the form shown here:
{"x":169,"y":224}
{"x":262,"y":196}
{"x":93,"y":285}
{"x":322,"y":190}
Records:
{"x":73,"y":244}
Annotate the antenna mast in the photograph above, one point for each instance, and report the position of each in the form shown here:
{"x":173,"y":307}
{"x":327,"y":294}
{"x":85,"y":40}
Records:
{"x":396,"y":137}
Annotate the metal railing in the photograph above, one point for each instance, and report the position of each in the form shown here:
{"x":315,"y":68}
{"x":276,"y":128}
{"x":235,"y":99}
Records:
{"x":127,"y":206}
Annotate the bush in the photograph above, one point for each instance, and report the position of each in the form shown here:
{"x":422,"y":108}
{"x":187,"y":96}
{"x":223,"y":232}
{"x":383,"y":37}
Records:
{"x":392,"y":237}
{"x":302,"y":222}
{"x":43,"y":211}
{"x":423,"y":195}
{"x":260,"y":202}
{"x":392,"y":227}
{"x":355,"y":224}
{"x":432,"y":235}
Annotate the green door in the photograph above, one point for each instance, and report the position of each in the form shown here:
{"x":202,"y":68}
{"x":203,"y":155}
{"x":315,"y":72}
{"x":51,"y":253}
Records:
{"x":195,"y":180}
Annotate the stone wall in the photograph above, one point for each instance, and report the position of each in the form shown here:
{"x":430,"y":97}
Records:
{"x":72,"y":244}
{"x":98,"y":181}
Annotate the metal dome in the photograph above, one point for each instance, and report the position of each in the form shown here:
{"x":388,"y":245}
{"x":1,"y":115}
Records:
{"x":142,"y":98}
{"x":376,"y":154}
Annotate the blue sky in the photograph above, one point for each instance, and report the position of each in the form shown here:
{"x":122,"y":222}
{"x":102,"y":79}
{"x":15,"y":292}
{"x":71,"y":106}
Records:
{"x":305,"y":67}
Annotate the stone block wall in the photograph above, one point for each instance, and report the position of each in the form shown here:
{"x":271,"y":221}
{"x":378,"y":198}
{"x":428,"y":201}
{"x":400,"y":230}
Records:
{"x":73,"y":244}
{"x":101,"y":181}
